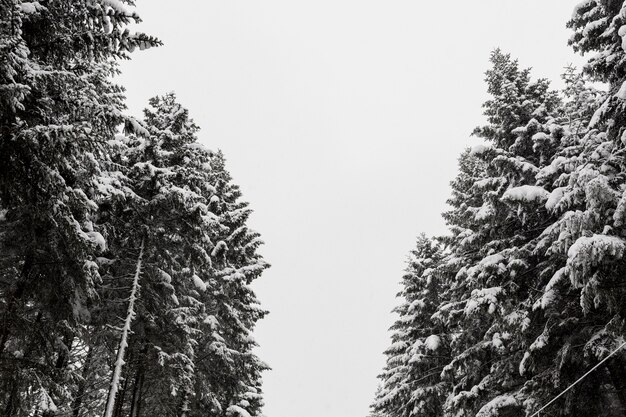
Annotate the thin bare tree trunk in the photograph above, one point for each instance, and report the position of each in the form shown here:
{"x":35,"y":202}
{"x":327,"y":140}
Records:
{"x":119,"y":401}
{"x":119,"y":362}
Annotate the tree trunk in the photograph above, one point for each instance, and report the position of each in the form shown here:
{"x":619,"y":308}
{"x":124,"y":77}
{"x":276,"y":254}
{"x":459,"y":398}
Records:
{"x":119,"y":401}
{"x":119,"y":362}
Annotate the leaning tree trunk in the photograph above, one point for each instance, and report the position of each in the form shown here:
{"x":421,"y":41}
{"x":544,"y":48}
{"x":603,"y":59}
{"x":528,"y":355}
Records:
{"x":121,"y":396}
{"x":119,"y":362}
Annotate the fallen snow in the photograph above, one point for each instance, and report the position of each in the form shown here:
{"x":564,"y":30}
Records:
{"x":486,"y":211}
{"x":523,"y":363}
{"x":201,"y":285}
{"x":31,"y":7}
{"x":481,"y":297}
{"x":166,"y":277}
{"x":549,"y":294}
{"x":201,"y":147}
{"x":526,"y":193}
{"x":593,"y":25}
{"x":492,"y":260}
{"x":540,"y":342}
{"x":553,"y":168}
{"x":493,"y":408}
{"x":117,"y":5}
{"x":588,"y":252}
{"x":540,"y":137}
{"x":622,"y":33}
{"x":97,"y":239}
{"x":136,"y":127}
{"x":417,"y":304}
{"x":46,"y":404}
{"x":496,"y":341}
{"x":432,"y":342}
{"x":580,"y":6}
{"x":479,"y":149}
{"x":555,"y":198}
{"x":221,"y":246}
{"x":212,"y":322}
{"x":598,"y":114}
{"x":595,"y":247}
{"x":235,"y":410}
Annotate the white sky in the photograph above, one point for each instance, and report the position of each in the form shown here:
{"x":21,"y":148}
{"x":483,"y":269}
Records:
{"x":342,"y":121}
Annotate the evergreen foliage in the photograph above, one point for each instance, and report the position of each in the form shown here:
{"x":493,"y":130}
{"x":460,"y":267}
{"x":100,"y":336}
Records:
{"x":78,"y":198}
{"x":531,"y":274}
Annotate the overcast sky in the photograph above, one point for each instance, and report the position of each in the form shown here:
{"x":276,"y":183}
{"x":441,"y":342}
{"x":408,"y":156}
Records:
{"x":342,"y":120}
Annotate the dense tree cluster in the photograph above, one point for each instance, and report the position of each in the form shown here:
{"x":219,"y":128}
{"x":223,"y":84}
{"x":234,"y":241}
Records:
{"x":125,"y":255}
{"x":526,"y":293}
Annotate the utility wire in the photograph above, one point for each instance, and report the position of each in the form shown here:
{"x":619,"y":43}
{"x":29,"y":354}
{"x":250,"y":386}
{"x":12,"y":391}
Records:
{"x":578,"y":380}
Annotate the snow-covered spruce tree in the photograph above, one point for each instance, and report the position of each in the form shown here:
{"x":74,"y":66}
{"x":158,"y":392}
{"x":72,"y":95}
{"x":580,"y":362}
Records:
{"x":597,"y":184}
{"x":557,"y":321}
{"x":227,"y":373}
{"x":57,"y":111}
{"x":494,"y":263}
{"x":519,"y":331}
{"x":497,"y":213}
{"x":229,"y":382}
{"x":166,"y":210}
{"x":410,"y":382}
{"x":582,"y":313}
{"x":190,"y":350}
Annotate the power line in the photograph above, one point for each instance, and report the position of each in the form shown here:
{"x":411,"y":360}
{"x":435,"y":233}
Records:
{"x":578,"y":380}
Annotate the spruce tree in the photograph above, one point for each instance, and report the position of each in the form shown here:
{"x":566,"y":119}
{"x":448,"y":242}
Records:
{"x":411,"y":385}
{"x":190,"y":351}
{"x":512,"y":314}
{"x":583,"y":314}
{"x":58,"y":109}
{"x":78,"y":199}
{"x":492,"y":262}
